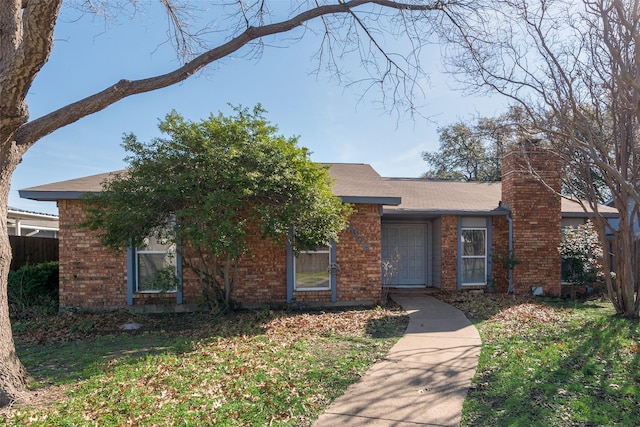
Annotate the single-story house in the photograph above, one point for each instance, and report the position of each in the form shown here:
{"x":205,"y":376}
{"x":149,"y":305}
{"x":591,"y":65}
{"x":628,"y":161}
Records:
{"x":440,"y":234}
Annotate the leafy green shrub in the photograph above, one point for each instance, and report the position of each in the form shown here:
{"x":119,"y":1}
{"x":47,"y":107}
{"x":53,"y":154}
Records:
{"x":33,"y":289}
{"x":581,"y":254}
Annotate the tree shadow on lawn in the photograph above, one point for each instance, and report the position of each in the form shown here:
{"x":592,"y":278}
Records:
{"x":70,"y":347}
{"x":387,"y":326}
{"x":585,"y":372}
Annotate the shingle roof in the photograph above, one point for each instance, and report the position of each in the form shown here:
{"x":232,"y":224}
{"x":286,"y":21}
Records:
{"x":70,"y":189}
{"x":444,"y":196}
{"x":360,"y":183}
{"x":573,"y":208}
{"x":353,"y":182}
{"x":453,"y":197}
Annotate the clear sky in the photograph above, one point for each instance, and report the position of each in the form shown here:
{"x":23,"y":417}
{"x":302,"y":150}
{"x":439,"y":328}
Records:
{"x":334,"y":122}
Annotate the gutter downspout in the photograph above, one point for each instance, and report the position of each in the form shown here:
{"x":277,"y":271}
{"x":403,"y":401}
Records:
{"x":510,"y":221}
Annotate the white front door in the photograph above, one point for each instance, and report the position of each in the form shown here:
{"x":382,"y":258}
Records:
{"x":405,"y":246}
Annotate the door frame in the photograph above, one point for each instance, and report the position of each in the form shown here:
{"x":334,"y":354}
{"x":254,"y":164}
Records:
{"x":427,"y":254}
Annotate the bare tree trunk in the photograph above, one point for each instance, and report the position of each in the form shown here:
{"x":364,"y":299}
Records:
{"x":12,"y":373}
{"x":624,"y":298}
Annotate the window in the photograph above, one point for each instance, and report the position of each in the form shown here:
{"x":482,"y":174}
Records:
{"x":156,"y":266}
{"x":474,"y":256}
{"x":312,"y":270}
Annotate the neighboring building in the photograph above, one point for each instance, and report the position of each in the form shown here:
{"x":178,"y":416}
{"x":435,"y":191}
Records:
{"x":31,"y":224}
{"x":441,"y":234}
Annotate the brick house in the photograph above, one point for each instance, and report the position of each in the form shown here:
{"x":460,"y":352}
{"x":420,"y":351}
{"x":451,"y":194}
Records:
{"x":440,"y":234}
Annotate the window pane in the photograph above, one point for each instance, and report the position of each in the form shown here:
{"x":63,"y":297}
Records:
{"x":473,"y":270}
{"x":153,"y":244}
{"x":312,"y":270}
{"x":473,"y":242}
{"x":156,"y":272}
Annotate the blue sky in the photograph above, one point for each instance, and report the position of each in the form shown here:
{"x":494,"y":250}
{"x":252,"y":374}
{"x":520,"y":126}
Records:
{"x":335,"y":123}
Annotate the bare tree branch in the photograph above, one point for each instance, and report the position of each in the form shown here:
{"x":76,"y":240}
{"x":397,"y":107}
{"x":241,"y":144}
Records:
{"x":24,"y":54}
{"x":33,"y":131}
{"x":574,"y":67}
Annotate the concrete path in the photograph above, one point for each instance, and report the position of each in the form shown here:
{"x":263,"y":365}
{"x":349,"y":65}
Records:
{"x":424,"y":379}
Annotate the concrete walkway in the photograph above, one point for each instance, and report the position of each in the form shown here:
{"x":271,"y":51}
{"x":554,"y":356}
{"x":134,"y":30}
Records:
{"x":424,"y":379}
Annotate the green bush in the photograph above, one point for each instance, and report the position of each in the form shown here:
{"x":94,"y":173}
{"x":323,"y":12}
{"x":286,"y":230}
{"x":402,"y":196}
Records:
{"x":33,"y":289}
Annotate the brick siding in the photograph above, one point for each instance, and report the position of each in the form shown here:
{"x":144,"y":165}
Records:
{"x":358,"y":256}
{"x":91,"y":276}
{"x":499,"y":250}
{"x":449,"y":242}
{"x":537,"y":217}
{"x":94,"y":277}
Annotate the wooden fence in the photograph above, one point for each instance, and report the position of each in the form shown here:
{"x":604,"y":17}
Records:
{"x":32,"y":250}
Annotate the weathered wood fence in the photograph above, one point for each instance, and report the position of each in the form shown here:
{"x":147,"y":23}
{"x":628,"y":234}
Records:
{"x":32,"y":250}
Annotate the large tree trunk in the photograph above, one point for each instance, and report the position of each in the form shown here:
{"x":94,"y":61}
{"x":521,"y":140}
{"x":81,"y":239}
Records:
{"x":12,"y":373}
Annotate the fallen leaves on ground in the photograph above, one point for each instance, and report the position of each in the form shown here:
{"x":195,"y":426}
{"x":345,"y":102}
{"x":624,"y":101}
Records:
{"x":73,"y":326}
{"x":482,"y":306}
{"x":352,"y":322}
{"x":513,"y":313}
{"x":528,"y":313}
{"x":269,"y":360}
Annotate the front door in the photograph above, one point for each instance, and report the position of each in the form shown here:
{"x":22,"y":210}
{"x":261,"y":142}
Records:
{"x":404,"y":246}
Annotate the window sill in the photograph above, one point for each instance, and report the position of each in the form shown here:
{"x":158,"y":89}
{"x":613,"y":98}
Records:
{"x":153,"y":292}
{"x":312,"y":289}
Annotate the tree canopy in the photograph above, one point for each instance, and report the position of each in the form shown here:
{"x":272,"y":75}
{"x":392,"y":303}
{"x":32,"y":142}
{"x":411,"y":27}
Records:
{"x":207,"y":185}
{"x":474,"y":151}
{"x":574,"y":69}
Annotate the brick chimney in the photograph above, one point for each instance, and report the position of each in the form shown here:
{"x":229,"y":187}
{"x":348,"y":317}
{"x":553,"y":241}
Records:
{"x":535,"y":205}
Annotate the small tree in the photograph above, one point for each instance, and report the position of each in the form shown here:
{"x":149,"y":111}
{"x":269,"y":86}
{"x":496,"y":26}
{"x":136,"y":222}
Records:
{"x":507,"y":261}
{"x":390,"y":268}
{"x":211,"y":184}
{"x":581,"y":253}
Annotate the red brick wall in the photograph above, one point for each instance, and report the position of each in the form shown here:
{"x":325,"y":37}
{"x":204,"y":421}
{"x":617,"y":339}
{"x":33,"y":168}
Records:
{"x":358,"y":255}
{"x":92,"y":276}
{"x":262,"y":275}
{"x":537,"y":217}
{"x":449,"y":242}
{"x":499,"y":250}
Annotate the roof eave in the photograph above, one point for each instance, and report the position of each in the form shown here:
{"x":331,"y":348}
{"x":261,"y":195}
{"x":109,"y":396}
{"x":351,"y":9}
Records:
{"x":52,"y":196}
{"x":589,"y":214}
{"x":49,"y":196}
{"x":371,"y":200}
{"x":495,"y":212}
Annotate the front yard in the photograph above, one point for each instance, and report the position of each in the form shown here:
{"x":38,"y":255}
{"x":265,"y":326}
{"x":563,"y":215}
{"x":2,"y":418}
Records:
{"x":543,"y":363}
{"x":552,"y":363}
{"x":252,"y":368}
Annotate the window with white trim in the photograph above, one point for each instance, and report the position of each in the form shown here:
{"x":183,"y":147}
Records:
{"x":156,"y":269}
{"x":312,"y":270}
{"x":474,"y":256}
